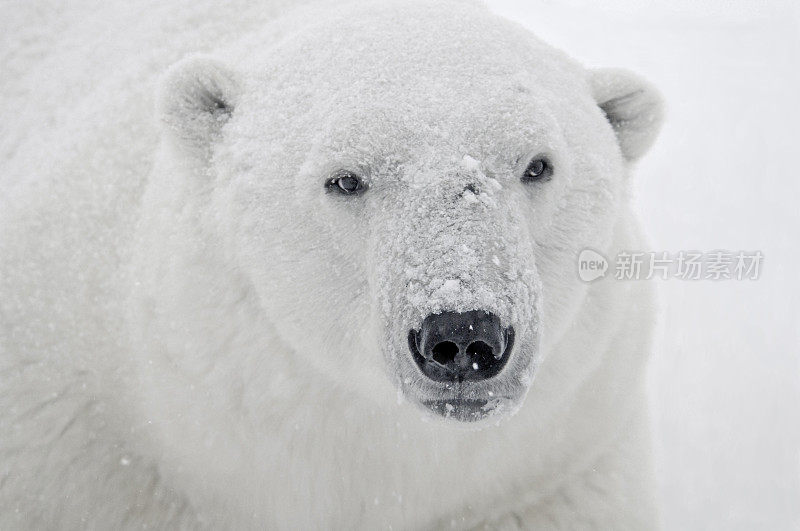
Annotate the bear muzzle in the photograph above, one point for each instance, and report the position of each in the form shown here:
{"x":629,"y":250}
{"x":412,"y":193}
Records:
{"x":464,"y":357}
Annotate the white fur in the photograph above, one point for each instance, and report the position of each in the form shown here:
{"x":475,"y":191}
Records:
{"x":195,"y":334}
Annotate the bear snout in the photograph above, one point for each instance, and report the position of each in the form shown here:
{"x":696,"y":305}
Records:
{"x":456,"y":346}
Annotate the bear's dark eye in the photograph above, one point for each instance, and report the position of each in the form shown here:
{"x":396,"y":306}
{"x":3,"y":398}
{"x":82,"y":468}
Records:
{"x":539,"y":169}
{"x":345,"y":182}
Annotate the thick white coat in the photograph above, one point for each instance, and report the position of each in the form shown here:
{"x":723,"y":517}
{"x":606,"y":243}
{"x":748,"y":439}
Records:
{"x":194,"y":334}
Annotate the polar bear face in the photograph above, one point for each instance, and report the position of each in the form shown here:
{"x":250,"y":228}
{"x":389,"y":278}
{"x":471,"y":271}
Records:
{"x":407,"y":197}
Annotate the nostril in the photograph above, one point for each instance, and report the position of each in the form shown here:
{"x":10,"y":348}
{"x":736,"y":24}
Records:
{"x":456,"y":347}
{"x":481,"y":354}
{"x":445,"y":352}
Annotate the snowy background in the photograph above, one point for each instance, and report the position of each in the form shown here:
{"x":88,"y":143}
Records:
{"x":723,"y":175}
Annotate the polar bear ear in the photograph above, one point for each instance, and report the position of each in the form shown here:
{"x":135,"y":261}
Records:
{"x":633,"y":107}
{"x":197,"y":96}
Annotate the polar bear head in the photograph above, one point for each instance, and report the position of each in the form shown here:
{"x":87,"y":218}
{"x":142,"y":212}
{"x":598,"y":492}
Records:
{"x":403,"y":190}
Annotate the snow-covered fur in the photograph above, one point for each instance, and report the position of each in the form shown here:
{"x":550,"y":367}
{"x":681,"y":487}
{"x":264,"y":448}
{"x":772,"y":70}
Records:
{"x":199,"y":332}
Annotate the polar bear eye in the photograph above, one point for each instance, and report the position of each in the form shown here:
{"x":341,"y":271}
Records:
{"x":345,"y":182}
{"x":539,"y":169}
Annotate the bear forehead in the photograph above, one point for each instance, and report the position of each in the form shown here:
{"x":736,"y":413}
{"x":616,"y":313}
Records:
{"x":421,"y":74}
{"x":416,"y":55}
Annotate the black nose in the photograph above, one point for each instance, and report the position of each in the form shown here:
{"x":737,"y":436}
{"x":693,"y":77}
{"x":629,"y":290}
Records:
{"x":454,"y":346}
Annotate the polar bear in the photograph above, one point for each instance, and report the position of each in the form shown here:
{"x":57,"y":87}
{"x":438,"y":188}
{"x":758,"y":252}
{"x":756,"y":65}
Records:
{"x":318,"y":273}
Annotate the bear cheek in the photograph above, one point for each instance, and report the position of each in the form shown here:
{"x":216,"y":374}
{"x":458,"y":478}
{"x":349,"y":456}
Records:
{"x":321,"y":285}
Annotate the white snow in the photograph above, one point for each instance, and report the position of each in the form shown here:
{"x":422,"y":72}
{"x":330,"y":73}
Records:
{"x":470,"y":164}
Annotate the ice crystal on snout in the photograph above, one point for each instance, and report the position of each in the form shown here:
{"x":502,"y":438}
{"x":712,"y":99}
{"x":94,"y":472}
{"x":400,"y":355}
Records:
{"x":470,"y":164}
